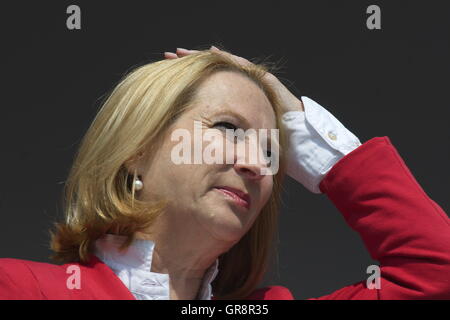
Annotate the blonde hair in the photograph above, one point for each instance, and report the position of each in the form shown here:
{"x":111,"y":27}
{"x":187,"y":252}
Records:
{"x":99,"y":191}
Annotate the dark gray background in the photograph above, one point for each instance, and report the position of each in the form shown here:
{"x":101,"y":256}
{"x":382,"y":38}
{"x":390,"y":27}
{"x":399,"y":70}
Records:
{"x":391,"y":82}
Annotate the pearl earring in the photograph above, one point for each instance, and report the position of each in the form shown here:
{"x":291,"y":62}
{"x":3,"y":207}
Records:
{"x":138,"y":185}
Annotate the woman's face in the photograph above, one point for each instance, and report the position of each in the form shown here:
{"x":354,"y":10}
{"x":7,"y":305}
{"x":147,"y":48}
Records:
{"x":195,"y":202}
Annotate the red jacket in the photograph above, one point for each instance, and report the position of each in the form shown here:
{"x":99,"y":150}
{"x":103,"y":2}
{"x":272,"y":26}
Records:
{"x":403,"y":229}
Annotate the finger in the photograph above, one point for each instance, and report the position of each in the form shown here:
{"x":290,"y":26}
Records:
{"x":170,"y":55}
{"x":181,"y":52}
{"x":242,"y":61}
{"x":238,"y":59}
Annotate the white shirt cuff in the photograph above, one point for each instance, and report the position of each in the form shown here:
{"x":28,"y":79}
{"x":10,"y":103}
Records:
{"x":317,"y":141}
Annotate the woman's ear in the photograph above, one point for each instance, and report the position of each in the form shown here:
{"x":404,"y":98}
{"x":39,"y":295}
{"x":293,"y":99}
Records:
{"x":134,"y":163}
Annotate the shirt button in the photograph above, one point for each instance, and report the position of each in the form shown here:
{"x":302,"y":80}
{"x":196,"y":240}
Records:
{"x":332,"y":136}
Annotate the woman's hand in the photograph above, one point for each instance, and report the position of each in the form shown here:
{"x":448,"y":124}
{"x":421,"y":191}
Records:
{"x":288,"y":101}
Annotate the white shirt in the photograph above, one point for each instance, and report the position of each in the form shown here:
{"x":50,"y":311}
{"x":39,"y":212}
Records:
{"x":133,"y":268}
{"x":317,"y":141}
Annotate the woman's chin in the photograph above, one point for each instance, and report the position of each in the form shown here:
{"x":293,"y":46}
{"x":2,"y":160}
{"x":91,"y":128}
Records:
{"x":225,"y":222}
{"x":230,"y":230}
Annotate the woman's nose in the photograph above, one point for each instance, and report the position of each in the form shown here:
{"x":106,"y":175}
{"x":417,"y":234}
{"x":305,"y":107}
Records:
{"x":251,"y":167}
{"x":249,"y":171}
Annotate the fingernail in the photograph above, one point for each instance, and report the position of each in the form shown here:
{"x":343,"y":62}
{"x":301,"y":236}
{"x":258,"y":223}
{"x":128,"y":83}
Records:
{"x":213,"y":47}
{"x":182,"y":49}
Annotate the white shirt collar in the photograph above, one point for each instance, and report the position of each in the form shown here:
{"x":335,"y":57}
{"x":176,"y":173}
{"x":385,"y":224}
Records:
{"x":133,"y":267}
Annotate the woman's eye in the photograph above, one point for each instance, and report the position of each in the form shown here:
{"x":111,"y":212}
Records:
{"x":229,"y":125}
{"x":226,"y":125}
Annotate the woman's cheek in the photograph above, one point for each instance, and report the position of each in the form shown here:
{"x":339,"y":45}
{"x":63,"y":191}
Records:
{"x":214,"y":148}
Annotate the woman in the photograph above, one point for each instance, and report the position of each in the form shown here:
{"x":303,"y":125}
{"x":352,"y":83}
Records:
{"x":141,"y":226}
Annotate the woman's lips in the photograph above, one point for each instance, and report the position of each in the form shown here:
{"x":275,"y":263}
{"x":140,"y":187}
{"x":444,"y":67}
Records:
{"x":238,"y":196}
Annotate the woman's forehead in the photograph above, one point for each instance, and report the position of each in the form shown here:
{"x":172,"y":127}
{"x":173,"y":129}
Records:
{"x":235,"y":95}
